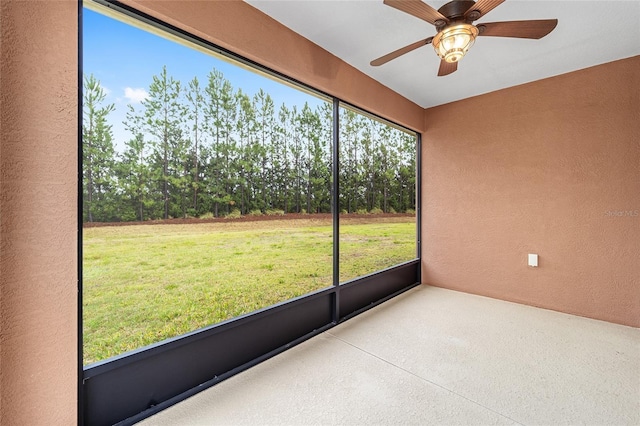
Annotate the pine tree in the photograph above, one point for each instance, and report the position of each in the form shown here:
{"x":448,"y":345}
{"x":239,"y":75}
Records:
{"x":246,"y":168}
{"x":263,"y":149}
{"x":220,"y":110}
{"x":297,"y":157}
{"x":324,"y":157}
{"x":164,"y":115}
{"x":134,"y":178}
{"x":350,"y":133}
{"x":281,"y":161}
{"x":97,"y":153}
{"x":195,"y":96}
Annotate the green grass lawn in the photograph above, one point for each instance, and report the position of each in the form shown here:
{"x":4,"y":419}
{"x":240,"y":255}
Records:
{"x":146,"y":283}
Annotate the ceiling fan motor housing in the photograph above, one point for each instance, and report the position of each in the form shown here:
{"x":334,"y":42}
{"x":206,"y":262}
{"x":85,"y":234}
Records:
{"x":455,"y":10}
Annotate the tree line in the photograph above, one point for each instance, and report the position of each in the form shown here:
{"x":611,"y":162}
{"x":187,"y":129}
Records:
{"x":210,"y":150}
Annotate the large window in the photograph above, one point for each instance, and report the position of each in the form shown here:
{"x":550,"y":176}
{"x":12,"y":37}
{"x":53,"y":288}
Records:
{"x":377,"y":195}
{"x":208,"y":189}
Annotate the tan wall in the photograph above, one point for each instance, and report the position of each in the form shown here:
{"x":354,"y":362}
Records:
{"x":246,"y":31}
{"x":38,"y":158}
{"x":543,"y":168}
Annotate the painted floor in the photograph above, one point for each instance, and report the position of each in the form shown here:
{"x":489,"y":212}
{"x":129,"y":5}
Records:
{"x":436,"y":356}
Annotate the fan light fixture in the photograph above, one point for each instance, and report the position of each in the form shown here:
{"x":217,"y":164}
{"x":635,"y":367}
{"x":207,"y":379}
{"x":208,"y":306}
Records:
{"x":453,"y":42}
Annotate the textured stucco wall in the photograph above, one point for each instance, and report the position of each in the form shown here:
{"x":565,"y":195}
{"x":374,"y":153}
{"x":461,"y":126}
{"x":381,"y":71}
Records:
{"x":38,"y":157}
{"x":242,"y":29}
{"x":553,"y":168}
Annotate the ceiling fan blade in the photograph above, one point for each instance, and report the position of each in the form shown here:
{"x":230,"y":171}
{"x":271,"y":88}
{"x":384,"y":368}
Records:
{"x":389,"y":56}
{"x":447,"y":68}
{"x":418,"y":9}
{"x":518,"y":29}
{"x":483,"y":7}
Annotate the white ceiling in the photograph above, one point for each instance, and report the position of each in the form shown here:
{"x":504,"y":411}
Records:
{"x":358,"y":31}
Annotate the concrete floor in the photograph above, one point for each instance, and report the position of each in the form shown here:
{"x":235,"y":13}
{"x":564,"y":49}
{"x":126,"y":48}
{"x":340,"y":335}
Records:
{"x":436,"y":356}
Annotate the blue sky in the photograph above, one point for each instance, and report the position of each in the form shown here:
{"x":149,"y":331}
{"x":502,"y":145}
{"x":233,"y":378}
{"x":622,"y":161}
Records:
{"x":124,"y":59}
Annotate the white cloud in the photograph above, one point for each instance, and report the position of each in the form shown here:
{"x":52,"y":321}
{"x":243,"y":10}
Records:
{"x":106,"y":90}
{"x":135,"y":96}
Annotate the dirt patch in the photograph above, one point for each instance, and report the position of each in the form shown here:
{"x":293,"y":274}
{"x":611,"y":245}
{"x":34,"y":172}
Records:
{"x":352,"y":218}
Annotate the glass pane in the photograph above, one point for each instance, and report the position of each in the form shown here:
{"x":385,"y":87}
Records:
{"x":377,"y":195}
{"x":206,"y":189}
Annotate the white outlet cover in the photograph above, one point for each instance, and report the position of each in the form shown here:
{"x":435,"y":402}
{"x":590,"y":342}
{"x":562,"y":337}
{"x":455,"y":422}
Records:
{"x":533,"y":259}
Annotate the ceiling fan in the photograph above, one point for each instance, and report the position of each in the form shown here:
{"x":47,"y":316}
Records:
{"x":456,"y":32}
